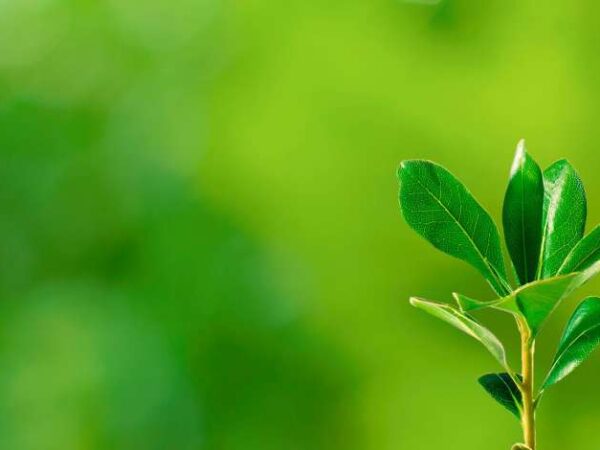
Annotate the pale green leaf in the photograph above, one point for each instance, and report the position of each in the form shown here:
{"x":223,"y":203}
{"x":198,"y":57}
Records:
{"x":466,"y":324}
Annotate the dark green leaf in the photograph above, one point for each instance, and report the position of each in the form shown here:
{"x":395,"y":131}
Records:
{"x":565,"y":211}
{"x":465,"y":324}
{"x":438,"y":207}
{"x":580,"y":338}
{"x":522,"y":214}
{"x":584,"y":255}
{"x":503,"y":389}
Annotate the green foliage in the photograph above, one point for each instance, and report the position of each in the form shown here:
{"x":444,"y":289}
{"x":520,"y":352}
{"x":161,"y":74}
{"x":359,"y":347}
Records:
{"x":544,"y":220}
{"x":584,"y":255}
{"x":534,"y":301}
{"x":439,"y":207}
{"x":504,"y":390}
{"x":522,"y":214}
{"x":466,"y":324}
{"x":565,"y":210}
{"x":579,"y":340}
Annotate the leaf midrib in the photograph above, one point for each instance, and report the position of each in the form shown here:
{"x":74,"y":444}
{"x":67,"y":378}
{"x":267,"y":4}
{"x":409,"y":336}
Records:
{"x":523,"y":240}
{"x":485,"y":261}
{"x":510,"y":391}
{"x":546,"y":214}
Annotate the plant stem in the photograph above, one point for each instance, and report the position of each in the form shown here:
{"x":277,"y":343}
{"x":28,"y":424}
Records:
{"x":527,"y":358}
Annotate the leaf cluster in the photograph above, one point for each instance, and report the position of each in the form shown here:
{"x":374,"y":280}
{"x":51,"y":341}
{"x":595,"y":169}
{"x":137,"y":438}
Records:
{"x":543,"y":218}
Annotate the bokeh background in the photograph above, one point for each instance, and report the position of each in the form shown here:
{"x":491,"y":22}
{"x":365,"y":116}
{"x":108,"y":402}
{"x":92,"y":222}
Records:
{"x":200,"y":242}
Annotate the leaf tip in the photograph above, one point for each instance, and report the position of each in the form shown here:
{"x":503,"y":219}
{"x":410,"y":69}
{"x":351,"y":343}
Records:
{"x":456,"y":297}
{"x":482,"y":379}
{"x":404,"y":164}
{"x":460,"y":301}
{"x":560,"y":165}
{"x":402,"y":167}
{"x":520,"y":156}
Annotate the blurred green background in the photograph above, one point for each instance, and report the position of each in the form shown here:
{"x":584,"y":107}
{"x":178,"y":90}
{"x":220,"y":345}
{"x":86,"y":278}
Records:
{"x":200,"y":243}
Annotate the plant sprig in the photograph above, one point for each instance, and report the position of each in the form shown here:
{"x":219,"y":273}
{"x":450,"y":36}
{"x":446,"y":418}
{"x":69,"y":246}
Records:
{"x":543,"y":217}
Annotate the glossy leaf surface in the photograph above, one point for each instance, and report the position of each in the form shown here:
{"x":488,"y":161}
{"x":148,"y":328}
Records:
{"x":439,"y":207}
{"x":584,"y":255}
{"x":565,"y":211}
{"x":466,"y":324}
{"x":504,"y":390}
{"x":580,"y":338}
{"x":522,"y":214}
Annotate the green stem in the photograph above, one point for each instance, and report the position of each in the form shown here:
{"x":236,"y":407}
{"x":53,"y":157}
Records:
{"x":527,"y":369}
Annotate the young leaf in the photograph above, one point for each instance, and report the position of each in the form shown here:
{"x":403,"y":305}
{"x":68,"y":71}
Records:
{"x":535,"y":301}
{"x":503,"y":389}
{"x":565,"y":211}
{"x":580,"y":338}
{"x":520,"y":447}
{"x":438,"y":207}
{"x":584,"y":255}
{"x":538,"y":301}
{"x":465,"y":324}
{"x":522,"y":214}
{"x":467,"y":304}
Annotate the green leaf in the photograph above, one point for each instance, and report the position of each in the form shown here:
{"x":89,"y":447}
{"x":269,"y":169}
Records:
{"x":580,"y":338}
{"x":534,"y":301}
{"x":467,"y":304}
{"x":465,"y":324}
{"x":503,"y":389}
{"x":538,"y":300}
{"x":584,"y":255}
{"x":439,"y":207}
{"x":565,"y":211}
{"x":522,"y":214}
{"x":589,"y":273}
